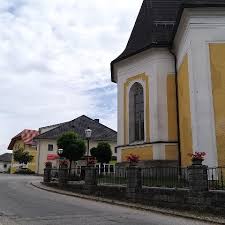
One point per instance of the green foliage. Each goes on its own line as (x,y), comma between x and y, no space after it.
(102,153)
(22,157)
(93,151)
(114,158)
(73,147)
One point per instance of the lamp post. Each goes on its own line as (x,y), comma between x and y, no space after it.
(60,152)
(88,137)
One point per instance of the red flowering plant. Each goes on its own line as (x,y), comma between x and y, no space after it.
(133,158)
(197,155)
(63,163)
(91,161)
(48,164)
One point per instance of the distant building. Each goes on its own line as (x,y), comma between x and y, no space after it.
(5,162)
(171,83)
(24,140)
(47,140)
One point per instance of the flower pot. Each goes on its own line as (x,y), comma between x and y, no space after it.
(197,161)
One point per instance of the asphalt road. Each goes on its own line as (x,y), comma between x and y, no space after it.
(22,204)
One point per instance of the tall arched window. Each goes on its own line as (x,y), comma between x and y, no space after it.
(136,113)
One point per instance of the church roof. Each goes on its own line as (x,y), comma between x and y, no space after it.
(157,23)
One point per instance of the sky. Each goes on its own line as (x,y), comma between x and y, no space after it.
(55,61)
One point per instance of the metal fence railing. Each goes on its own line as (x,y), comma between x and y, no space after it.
(119,177)
(165,177)
(216,178)
(76,173)
(151,177)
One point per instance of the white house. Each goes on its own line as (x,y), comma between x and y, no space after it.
(47,140)
(5,162)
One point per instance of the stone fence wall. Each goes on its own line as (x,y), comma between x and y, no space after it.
(197,196)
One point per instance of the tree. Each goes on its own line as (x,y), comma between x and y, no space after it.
(22,157)
(102,153)
(93,151)
(73,147)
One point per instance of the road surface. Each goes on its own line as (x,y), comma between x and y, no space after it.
(22,204)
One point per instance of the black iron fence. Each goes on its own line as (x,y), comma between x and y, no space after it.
(165,177)
(119,176)
(151,177)
(216,178)
(75,174)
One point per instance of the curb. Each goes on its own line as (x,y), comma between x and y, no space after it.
(169,212)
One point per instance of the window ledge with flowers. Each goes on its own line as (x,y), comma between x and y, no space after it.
(197,158)
(133,159)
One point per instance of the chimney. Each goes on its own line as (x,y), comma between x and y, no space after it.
(97,120)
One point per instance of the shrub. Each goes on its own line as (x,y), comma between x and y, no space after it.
(114,158)
(48,164)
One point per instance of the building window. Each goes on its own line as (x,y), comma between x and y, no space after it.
(50,148)
(5,166)
(136,113)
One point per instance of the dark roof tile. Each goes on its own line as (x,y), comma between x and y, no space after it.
(99,131)
(157,23)
(7,157)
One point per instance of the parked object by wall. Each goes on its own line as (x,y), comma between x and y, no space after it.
(5,162)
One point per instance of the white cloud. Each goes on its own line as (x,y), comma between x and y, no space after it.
(55,57)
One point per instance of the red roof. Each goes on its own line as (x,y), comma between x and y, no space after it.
(26,136)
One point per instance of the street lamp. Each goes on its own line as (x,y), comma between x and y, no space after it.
(60,151)
(88,137)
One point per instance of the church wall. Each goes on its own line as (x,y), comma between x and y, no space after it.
(144,152)
(199,28)
(171,152)
(151,69)
(172,107)
(184,113)
(217,63)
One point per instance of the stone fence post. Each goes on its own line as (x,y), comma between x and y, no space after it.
(198,178)
(134,182)
(47,174)
(63,176)
(90,179)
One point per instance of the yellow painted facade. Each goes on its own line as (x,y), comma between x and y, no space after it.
(171,152)
(172,108)
(144,78)
(145,152)
(32,151)
(217,61)
(184,113)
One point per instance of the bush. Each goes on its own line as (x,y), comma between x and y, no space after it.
(24,171)
(114,158)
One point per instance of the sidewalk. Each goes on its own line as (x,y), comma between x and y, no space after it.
(202,217)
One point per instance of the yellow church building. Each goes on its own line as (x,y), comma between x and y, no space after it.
(171,83)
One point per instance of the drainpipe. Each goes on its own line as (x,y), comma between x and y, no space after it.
(177,108)
(38,163)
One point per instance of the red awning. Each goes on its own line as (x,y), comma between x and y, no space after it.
(52,157)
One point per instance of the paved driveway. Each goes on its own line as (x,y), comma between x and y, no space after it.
(22,204)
